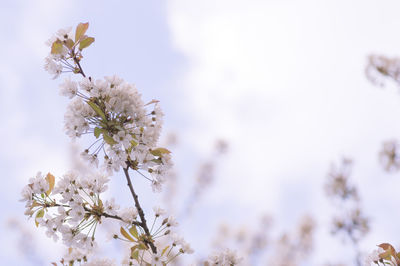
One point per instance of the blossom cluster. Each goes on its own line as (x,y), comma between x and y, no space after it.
(125,130)
(66,50)
(72,208)
(226,257)
(169,245)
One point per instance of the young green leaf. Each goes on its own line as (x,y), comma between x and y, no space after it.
(134,232)
(126,235)
(39,214)
(164,250)
(97,110)
(135,255)
(97,132)
(56,47)
(159,151)
(81,30)
(109,140)
(51,180)
(85,43)
(69,43)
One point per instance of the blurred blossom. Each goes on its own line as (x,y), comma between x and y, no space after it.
(380,67)
(294,248)
(389,156)
(338,184)
(350,221)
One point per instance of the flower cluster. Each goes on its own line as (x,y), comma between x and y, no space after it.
(126,131)
(169,245)
(71,209)
(66,50)
(226,257)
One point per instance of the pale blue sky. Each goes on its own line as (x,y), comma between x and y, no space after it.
(282,81)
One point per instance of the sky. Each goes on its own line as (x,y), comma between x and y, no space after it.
(282,82)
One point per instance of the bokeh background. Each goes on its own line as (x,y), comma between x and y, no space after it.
(282,82)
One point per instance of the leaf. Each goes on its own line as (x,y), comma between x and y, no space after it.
(142,246)
(134,232)
(35,204)
(159,151)
(86,43)
(389,252)
(134,252)
(164,250)
(134,143)
(56,47)
(97,132)
(81,30)
(109,140)
(97,110)
(51,180)
(100,204)
(39,214)
(70,43)
(157,161)
(126,235)
(135,255)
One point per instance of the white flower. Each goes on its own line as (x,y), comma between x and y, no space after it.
(158,211)
(156,260)
(227,257)
(86,84)
(51,66)
(26,194)
(128,215)
(177,240)
(68,88)
(156,186)
(185,248)
(39,184)
(77,213)
(373,256)
(110,207)
(172,221)
(114,80)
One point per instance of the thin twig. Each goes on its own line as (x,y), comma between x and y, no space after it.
(140,211)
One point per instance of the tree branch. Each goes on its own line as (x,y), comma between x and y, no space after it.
(104,214)
(140,211)
(79,66)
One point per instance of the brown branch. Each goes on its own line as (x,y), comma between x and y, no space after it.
(79,66)
(76,60)
(94,213)
(140,211)
(104,214)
